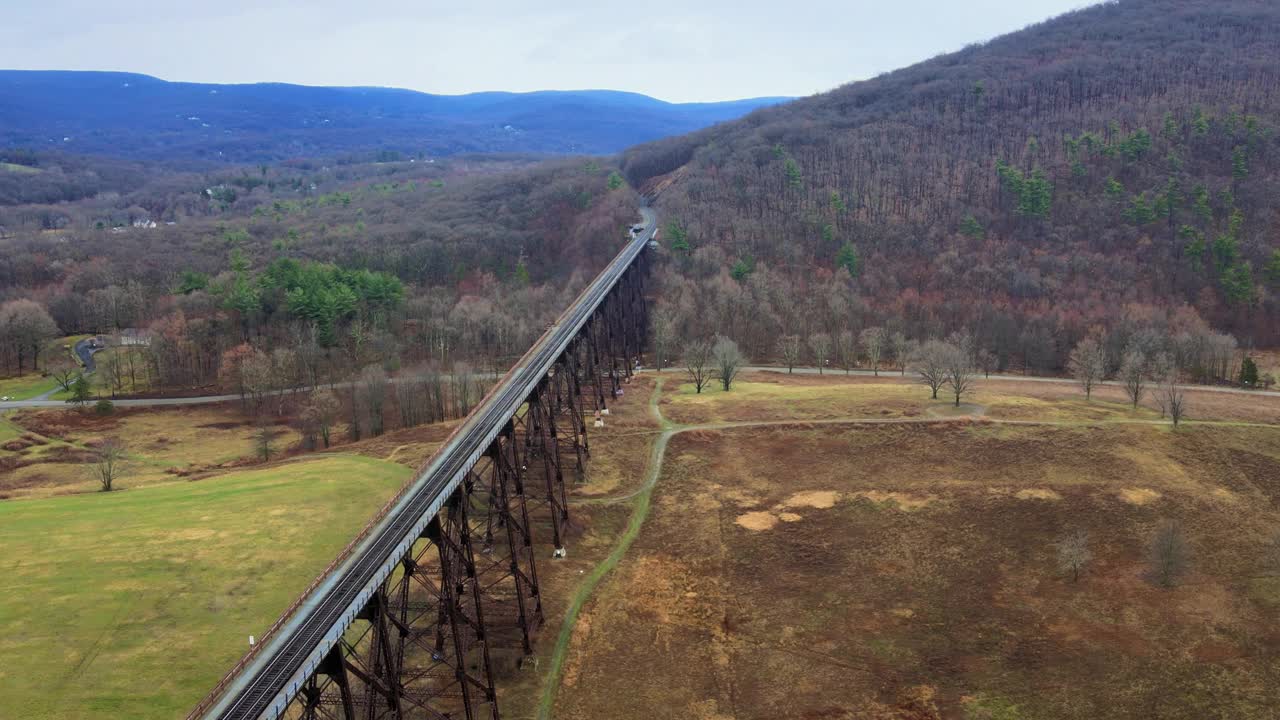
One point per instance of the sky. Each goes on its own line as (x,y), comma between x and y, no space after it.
(681,51)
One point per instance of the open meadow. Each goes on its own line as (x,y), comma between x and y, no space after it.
(133,603)
(910,568)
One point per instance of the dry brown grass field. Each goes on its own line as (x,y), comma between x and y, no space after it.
(909,571)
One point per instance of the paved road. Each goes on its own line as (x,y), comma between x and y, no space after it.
(85,353)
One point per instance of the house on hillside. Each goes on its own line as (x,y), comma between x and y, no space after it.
(133,337)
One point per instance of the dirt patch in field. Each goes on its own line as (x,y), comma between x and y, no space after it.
(903,501)
(813,499)
(1037,494)
(1139,496)
(757,520)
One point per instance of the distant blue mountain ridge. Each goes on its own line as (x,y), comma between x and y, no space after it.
(142,117)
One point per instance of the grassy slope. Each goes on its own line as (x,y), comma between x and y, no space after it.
(157,441)
(133,604)
(8,430)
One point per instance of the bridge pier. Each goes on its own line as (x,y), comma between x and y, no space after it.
(508,573)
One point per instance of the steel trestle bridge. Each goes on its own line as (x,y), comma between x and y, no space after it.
(441,587)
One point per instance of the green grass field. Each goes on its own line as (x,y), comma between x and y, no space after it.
(132,604)
(25,387)
(8,430)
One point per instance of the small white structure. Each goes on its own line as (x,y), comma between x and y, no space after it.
(134,337)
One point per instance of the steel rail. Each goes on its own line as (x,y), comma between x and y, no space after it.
(264,682)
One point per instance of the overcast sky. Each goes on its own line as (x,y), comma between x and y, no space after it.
(680,50)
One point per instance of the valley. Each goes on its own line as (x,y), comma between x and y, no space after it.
(947,392)
(816,531)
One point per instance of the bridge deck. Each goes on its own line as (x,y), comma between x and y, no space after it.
(266,684)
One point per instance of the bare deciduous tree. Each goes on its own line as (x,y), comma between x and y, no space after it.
(930,363)
(1088,364)
(1173,401)
(986,361)
(697,362)
(789,351)
(903,348)
(65,374)
(257,375)
(306,348)
(1133,374)
(109,464)
(1161,368)
(1170,555)
(847,350)
(959,371)
(820,345)
(319,415)
(462,389)
(873,344)
(728,360)
(262,436)
(662,336)
(112,371)
(25,325)
(1074,553)
(369,399)
(963,341)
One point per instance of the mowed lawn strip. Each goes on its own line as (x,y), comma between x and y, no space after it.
(133,604)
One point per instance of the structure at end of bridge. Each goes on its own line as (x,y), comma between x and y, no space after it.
(463,606)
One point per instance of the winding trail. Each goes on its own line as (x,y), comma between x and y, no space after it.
(643,495)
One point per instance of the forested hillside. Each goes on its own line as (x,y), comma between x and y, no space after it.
(142,117)
(382,264)
(1111,170)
